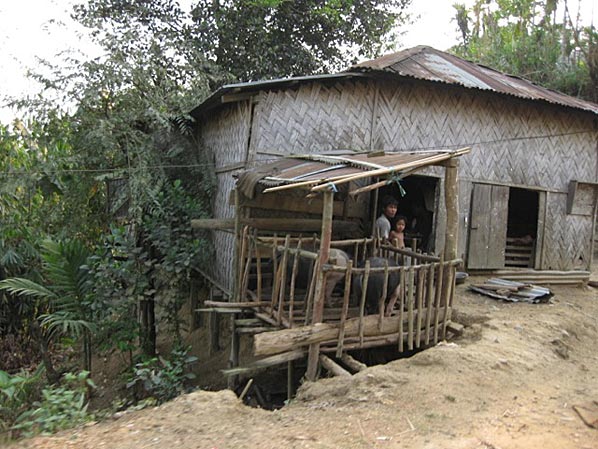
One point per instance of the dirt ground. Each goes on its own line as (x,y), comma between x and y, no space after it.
(510,381)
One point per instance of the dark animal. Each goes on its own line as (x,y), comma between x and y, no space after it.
(305,271)
(375,286)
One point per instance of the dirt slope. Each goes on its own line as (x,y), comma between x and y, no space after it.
(509,382)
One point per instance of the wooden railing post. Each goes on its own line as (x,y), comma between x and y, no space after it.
(318,310)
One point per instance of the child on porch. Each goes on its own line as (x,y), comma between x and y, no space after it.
(397,234)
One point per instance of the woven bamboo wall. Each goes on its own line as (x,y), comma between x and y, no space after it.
(567,237)
(226,136)
(313,118)
(412,115)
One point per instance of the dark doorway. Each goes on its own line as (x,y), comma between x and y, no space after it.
(522,228)
(417,202)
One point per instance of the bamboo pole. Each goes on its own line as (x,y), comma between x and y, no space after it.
(447,299)
(382,299)
(345,309)
(311,290)
(396,168)
(401,305)
(326,236)
(258,263)
(429,301)
(421,275)
(438,296)
(283,279)
(364,286)
(292,286)
(410,300)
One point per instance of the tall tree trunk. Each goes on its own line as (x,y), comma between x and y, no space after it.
(51,374)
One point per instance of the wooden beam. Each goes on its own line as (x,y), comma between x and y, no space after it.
(265,363)
(451,199)
(275,224)
(353,364)
(289,339)
(332,367)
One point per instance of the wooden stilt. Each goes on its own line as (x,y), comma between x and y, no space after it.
(326,237)
(345,309)
(451,199)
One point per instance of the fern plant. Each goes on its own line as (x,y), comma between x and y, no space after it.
(63,301)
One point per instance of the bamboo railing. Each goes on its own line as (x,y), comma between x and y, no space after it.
(279,276)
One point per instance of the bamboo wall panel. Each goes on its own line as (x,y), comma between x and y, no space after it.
(567,237)
(314,118)
(426,116)
(226,136)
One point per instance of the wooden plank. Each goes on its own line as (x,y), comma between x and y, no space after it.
(275,224)
(236,305)
(488,230)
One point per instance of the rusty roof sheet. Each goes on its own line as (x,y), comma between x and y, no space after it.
(422,63)
(326,171)
(427,63)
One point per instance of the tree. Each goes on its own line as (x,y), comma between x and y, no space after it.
(528,38)
(260,39)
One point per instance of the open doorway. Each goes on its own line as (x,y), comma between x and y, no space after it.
(522,228)
(417,203)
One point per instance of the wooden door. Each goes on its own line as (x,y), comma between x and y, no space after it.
(488,228)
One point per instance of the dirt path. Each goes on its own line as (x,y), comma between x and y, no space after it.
(509,382)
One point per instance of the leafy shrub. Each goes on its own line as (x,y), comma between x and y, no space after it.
(60,407)
(16,394)
(160,378)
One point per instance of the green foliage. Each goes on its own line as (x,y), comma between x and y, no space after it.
(260,39)
(62,304)
(160,378)
(16,395)
(60,407)
(525,38)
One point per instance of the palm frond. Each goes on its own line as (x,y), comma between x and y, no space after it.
(26,287)
(65,323)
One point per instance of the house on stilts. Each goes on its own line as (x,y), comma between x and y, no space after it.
(396,126)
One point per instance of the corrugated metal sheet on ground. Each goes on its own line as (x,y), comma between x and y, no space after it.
(526,292)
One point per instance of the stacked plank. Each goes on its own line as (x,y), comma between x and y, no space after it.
(545,277)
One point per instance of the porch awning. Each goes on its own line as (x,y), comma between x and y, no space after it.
(317,172)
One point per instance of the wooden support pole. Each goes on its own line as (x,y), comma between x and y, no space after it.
(451,199)
(326,237)
(353,364)
(332,367)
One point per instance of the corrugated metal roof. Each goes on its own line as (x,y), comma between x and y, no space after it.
(327,171)
(423,63)
(427,63)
